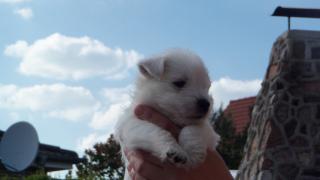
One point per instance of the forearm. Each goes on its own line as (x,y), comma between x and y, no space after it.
(214,168)
(218,167)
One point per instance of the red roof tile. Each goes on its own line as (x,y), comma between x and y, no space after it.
(240,111)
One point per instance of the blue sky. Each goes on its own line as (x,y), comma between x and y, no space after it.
(68,67)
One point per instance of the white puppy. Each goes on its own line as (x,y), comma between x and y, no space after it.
(176,84)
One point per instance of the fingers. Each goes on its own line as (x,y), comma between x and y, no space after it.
(148,114)
(138,177)
(143,155)
(135,176)
(142,165)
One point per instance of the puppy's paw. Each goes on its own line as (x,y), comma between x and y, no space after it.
(177,157)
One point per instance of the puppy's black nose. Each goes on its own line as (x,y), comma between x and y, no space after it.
(203,105)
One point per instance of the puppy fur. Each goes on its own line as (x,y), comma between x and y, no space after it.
(175,83)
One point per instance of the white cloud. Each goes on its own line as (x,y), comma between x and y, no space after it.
(118,99)
(62,57)
(14,1)
(118,94)
(56,100)
(17,50)
(88,141)
(25,13)
(226,89)
(108,118)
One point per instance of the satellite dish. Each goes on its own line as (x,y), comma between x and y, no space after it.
(19,146)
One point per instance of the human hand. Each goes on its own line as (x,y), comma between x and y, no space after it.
(147,113)
(142,165)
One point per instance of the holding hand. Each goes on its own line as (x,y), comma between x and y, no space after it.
(142,165)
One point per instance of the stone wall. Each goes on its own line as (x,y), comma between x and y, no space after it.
(284,135)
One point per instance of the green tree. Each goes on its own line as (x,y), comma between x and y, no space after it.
(231,144)
(103,161)
(40,175)
(69,175)
(37,175)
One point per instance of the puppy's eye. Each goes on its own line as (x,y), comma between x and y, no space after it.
(179,83)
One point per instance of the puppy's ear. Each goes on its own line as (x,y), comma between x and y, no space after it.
(152,67)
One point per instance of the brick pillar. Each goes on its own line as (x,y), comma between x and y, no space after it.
(284,135)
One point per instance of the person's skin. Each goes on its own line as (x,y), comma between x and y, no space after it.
(143,166)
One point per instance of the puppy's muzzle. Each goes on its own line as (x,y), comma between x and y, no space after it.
(203,106)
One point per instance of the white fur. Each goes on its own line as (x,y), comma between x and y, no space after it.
(155,88)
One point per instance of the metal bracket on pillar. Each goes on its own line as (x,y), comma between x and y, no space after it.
(296,12)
